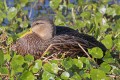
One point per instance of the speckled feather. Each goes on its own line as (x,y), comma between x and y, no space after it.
(29,44)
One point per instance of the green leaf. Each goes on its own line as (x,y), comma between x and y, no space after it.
(85,15)
(70,5)
(59,19)
(37,66)
(3,15)
(9,40)
(96,52)
(117,71)
(86,76)
(67,63)
(23,2)
(107,41)
(97,19)
(17,62)
(4,70)
(97,74)
(7,57)
(79,24)
(78,63)
(102,9)
(65,75)
(47,76)
(80,2)
(1,57)
(11,13)
(105,67)
(117,9)
(24,24)
(76,76)
(29,58)
(27,75)
(86,61)
(19,20)
(52,68)
(55,4)
(108,57)
(111,11)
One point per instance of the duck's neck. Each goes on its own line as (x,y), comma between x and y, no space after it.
(45,33)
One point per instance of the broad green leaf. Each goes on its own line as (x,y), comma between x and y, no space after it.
(65,75)
(1,57)
(67,63)
(96,52)
(80,2)
(24,24)
(105,1)
(27,75)
(70,5)
(117,71)
(85,15)
(107,41)
(11,13)
(7,57)
(86,61)
(37,66)
(19,20)
(29,58)
(17,62)
(102,9)
(60,19)
(4,70)
(111,11)
(116,28)
(105,67)
(23,2)
(97,19)
(9,40)
(79,24)
(86,76)
(52,68)
(78,63)
(3,15)
(97,74)
(108,57)
(54,4)
(47,76)
(76,76)
(58,78)
(117,9)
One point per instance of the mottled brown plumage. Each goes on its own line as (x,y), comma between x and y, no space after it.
(28,44)
(46,37)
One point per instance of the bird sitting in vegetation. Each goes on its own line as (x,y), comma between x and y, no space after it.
(57,40)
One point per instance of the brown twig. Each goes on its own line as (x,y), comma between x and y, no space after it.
(84,51)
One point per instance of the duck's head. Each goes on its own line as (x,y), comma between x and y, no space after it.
(43,27)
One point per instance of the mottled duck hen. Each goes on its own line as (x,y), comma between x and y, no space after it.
(56,40)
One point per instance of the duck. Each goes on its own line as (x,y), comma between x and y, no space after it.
(57,40)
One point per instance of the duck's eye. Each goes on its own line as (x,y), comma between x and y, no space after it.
(38,23)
